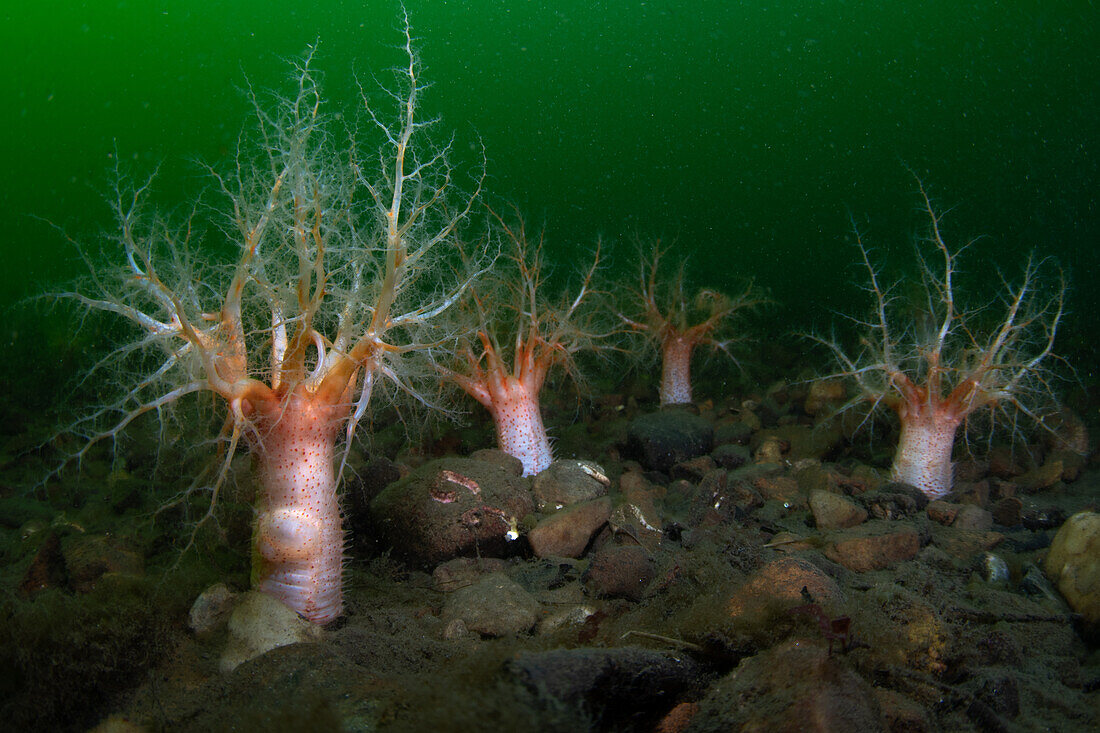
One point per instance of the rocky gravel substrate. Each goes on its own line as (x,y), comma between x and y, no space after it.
(708,567)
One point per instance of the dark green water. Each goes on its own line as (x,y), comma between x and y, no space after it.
(746,130)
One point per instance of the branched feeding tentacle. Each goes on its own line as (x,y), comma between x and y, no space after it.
(947,375)
(326,298)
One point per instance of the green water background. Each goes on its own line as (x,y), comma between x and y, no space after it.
(746,131)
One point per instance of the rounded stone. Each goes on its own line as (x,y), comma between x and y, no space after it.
(259,624)
(1074,564)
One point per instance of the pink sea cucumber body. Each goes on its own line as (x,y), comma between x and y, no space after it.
(298,538)
(676,369)
(520,431)
(923,456)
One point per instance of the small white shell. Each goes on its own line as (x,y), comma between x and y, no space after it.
(995,569)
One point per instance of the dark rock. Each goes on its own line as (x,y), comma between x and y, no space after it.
(620,572)
(867,478)
(662,439)
(972,492)
(943,512)
(729,433)
(15,511)
(756,471)
(89,558)
(508,462)
(973,518)
(1022,541)
(804,441)
(452,507)
(494,605)
(547,574)
(1008,512)
(970,470)
(780,488)
(1005,462)
(1044,518)
(882,504)
(464,571)
(47,569)
(361,490)
(1043,477)
(728,455)
(693,469)
(796,686)
(1002,695)
(918,496)
(624,688)
(812,476)
(964,543)
(999,648)
(717,500)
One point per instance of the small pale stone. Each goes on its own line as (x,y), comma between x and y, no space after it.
(259,624)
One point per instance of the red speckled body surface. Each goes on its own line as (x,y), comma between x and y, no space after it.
(923,456)
(298,537)
(339,265)
(676,370)
(660,308)
(520,432)
(545,333)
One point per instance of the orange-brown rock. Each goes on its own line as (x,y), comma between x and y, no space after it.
(677,719)
(942,511)
(780,583)
(874,549)
(566,533)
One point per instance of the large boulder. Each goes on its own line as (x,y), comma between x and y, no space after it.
(453,507)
